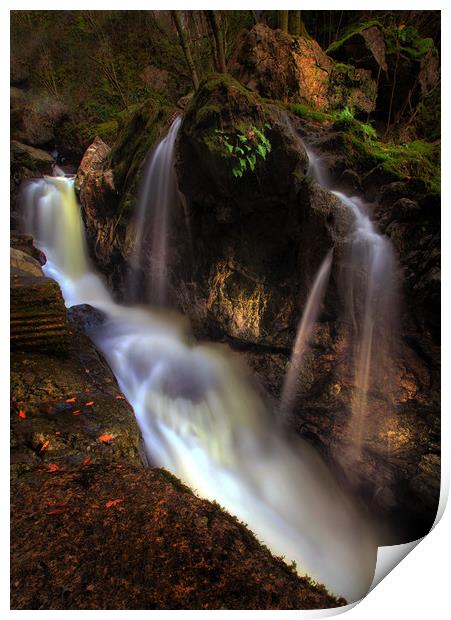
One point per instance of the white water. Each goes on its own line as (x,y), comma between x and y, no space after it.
(157,198)
(201,418)
(304,333)
(368,287)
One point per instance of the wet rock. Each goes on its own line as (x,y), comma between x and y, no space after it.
(121,537)
(24,243)
(21,261)
(38,314)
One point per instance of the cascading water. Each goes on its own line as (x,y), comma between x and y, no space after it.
(305,329)
(202,420)
(157,198)
(369,291)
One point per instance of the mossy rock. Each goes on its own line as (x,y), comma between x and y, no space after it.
(225,108)
(138,131)
(107,131)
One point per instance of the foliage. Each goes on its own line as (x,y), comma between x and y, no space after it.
(304,111)
(245,147)
(344,119)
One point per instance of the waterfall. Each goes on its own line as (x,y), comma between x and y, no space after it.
(369,292)
(156,201)
(201,418)
(304,333)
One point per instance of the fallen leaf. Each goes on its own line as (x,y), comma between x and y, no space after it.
(71,400)
(91,402)
(53,467)
(59,511)
(22,414)
(45,445)
(113,502)
(76,412)
(86,460)
(105,438)
(120,397)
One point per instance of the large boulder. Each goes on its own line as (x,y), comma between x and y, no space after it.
(260,237)
(284,67)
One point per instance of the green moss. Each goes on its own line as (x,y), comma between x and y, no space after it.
(139,130)
(351,32)
(303,111)
(417,160)
(222,114)
(408,41)
(107,131)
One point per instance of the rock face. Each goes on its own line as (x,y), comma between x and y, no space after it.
(257,240)
(280,66)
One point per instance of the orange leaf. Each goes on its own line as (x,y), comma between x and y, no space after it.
(120,397)
(91,402)
(45,445)
(86,460)
(105,438)
(76,412)
(113,502)
(71,400)
(22,414)
(53,467)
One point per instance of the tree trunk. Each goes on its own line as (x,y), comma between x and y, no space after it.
(283,20)
(185,47)
(294,22)
(219,40)
(302,29)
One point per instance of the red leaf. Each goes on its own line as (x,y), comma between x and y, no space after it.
(45,445)
(91,402)
(53,467)
(86,460)
(59,511)
(71,400)
(113,502)
(76,412)
(120,397)
(22,414)
(105,438)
